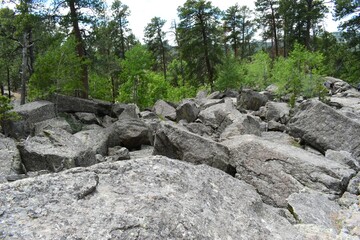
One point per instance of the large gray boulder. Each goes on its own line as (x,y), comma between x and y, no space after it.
(10,161)
(30,114)
(187,110)
(277,170)
(164,110)
(122,110)
(303,205)
(176,142)
(277,111)
(324,128)
(58,122)
(130,133)
(71,104)
(96,139)
(55,150)
(152,198)
(251,100)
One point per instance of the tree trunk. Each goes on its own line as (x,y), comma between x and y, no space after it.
(8,81)
(308,24)
(80,48)
(206,52)
(24,67)
(274,30)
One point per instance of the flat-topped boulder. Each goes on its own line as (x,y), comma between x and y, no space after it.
(55,150)
(29,114)
(71,104)
(151,198)
(277,170)
(323,128)
(177,142)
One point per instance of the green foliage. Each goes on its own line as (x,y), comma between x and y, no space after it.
(258,71)
(229,74)
(100,87)
(200,38)
(57,70)
(301,73)
(5,108)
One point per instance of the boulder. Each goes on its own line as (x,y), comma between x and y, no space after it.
(336,85)
(242,124)
(354,185)
(129,132)
(277,170)
(71,104)
(303,204)
(10,161)
(121,110)
(251,100)
(87,118)
(277,111)
(30,114)
(187,110)
(344,158)
(96,139)
(152,198)
(58,122)
(178,143)
(200,129)
(216,115)
(275,126)
(55,150)
(118,153)
(165,110)
(324,128)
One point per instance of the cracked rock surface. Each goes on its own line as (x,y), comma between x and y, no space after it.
(150,198)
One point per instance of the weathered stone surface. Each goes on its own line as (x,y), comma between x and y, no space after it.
(121,110)
(129,132)
(187,110)
(354,185)
(55,150)
(324,128)
(165,110)
(215,115)
(95,139)
(10,161)
(277,111)
(344,158)
(118,153)
(277,170)
(153,198)
(30,113)
(148,115)
(242,124)
(314,208)
(336,85)
(87,118)
(176,142)
(58,122)
(73,104)
(251,100)
(275,126)
(200,129)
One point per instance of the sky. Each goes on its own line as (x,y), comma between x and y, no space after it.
(142,11)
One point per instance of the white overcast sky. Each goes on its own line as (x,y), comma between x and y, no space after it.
(143,10)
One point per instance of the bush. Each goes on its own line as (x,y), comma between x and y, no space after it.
(5,108)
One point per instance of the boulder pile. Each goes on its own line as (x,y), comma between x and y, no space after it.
(229,165)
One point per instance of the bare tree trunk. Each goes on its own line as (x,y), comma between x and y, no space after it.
(24,67)
(80,48)
(8,81)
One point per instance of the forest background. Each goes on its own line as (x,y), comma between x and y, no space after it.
(87,49)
